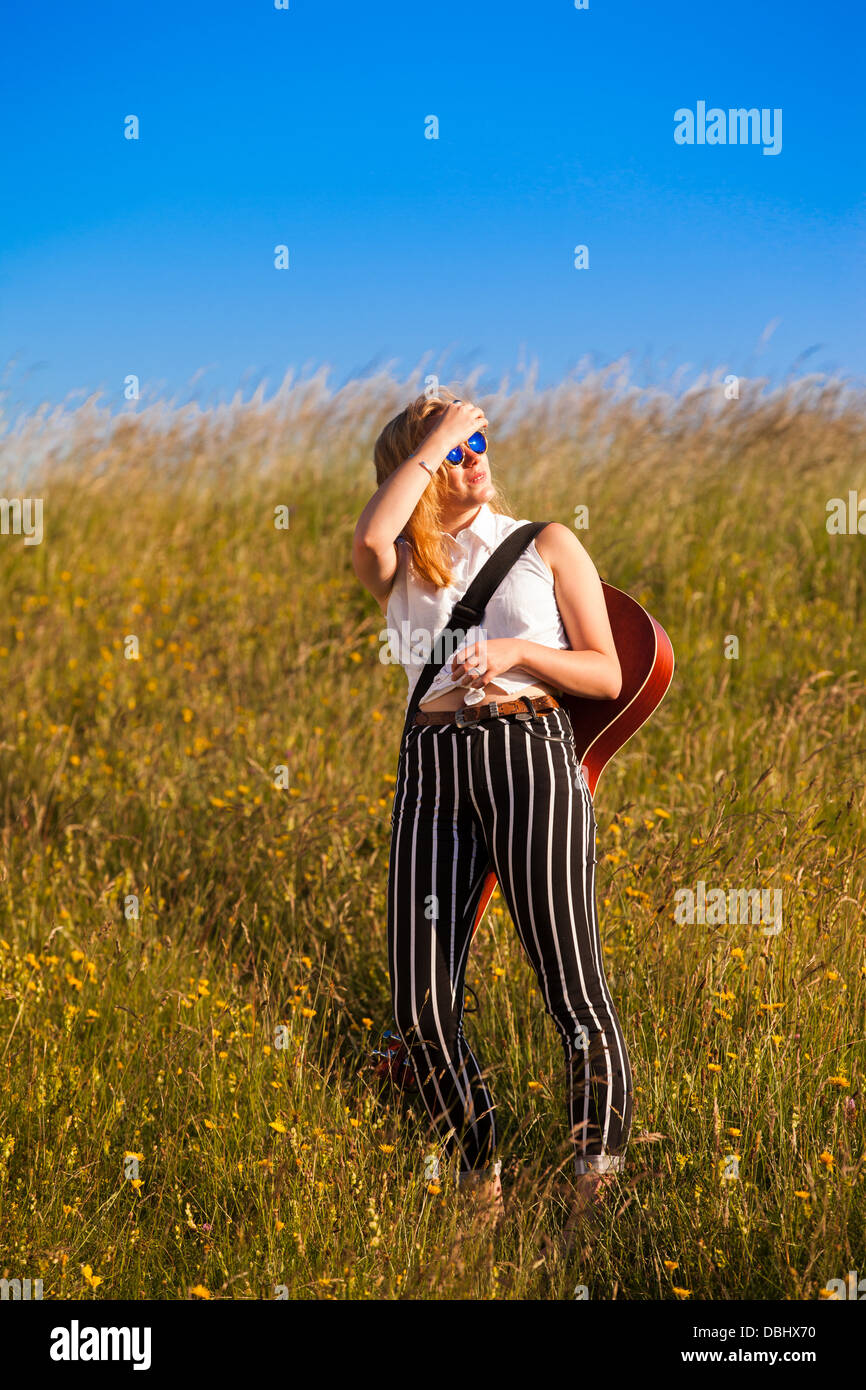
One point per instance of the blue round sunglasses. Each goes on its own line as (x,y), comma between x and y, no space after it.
(477,442)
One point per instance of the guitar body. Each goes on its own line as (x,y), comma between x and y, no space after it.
(601,727)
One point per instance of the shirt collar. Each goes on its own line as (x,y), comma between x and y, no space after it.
(482,527)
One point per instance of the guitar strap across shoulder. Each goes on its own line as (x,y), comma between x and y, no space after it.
(469,610)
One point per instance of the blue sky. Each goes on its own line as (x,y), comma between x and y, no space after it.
(306,127)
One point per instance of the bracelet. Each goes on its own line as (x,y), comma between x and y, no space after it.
(431,471)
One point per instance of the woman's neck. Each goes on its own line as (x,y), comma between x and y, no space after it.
(457,521)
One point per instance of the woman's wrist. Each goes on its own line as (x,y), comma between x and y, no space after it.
(431,454)
(428,460)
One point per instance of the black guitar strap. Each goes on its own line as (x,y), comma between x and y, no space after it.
(469,610)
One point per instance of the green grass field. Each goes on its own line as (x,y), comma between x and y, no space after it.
(193,964)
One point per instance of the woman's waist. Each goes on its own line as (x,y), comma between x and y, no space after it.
(500,688)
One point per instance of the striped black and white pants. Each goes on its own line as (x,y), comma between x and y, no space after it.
(506,794)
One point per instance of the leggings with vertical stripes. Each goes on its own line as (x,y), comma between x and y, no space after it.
(507,794)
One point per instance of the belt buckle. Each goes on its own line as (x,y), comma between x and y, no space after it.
(487,711)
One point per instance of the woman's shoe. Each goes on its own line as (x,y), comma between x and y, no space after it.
(481,1197)
(584,1219)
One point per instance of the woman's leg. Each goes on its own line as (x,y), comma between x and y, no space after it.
(540,830)
(437,867)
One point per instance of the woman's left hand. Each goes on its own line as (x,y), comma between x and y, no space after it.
(491,657)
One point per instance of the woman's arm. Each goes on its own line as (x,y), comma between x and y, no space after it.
(592,668)
(585,672)
(374,552)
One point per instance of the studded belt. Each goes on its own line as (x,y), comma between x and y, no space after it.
(524,707)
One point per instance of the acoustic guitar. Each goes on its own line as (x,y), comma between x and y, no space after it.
(601,728)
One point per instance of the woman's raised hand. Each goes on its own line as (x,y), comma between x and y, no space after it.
(457,422)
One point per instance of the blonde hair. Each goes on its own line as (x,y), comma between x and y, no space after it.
(401,438)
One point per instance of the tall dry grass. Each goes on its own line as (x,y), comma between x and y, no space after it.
(166,909)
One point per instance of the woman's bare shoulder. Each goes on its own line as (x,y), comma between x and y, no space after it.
(557,545)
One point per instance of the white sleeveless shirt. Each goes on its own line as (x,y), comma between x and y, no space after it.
(523,606)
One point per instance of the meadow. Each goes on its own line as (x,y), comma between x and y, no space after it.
(198,755)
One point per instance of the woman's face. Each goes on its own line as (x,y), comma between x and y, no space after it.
(469,482)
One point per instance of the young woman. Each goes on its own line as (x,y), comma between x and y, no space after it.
(502,789)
